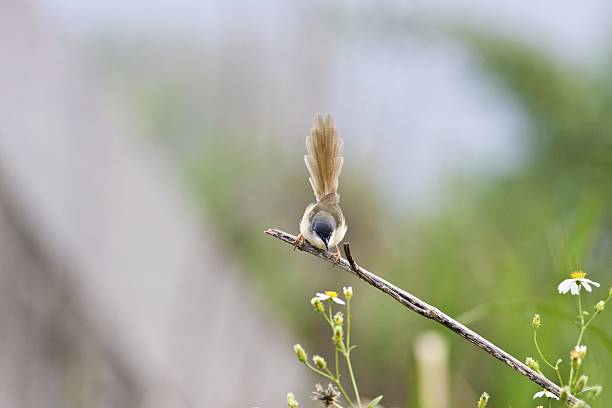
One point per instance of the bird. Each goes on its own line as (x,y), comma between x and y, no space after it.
(323,224)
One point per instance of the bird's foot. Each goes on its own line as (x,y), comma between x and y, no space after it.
(299,241)
(337,256)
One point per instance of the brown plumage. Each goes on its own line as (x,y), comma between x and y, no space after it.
(323,223)
(324,159)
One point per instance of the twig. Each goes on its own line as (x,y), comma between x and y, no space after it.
(424,309)
(347,252)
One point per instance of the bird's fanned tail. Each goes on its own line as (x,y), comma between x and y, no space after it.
(324,159)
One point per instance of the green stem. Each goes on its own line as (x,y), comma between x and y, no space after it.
(348,325)
(348,351)
(344,393)
(331,324)
(581,321)
(337,366)
(559,375)
(535,340)
(577,375)
(322,373)
(581,315)
(554,367)
(330,377)
(329,321)
(350,369)
(592,317)
(590,320)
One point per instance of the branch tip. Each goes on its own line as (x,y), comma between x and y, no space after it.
(349,256)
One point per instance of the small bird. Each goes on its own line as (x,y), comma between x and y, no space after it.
(323,224)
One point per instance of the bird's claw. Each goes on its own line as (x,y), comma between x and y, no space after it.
(299,241)
(337,256)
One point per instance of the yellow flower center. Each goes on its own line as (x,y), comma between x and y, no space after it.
(331,293)
(579,274)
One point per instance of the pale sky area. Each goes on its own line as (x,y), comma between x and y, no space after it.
(420,94)
(573,29)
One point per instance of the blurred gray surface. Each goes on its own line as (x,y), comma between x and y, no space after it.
(133,300)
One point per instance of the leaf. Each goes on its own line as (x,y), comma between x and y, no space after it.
(374,402)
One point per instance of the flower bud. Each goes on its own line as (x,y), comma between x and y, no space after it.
(319,362)
(581,383)
(338,336)
(565,392)
(575,360)
(300,353)
(536,322)
(317,305)
(599,306)
(338,319)
(532,363)
(595,391)
(291,401)
(484,399)
(348,292)
(577,354)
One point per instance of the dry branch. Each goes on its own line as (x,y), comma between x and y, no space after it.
(424,309)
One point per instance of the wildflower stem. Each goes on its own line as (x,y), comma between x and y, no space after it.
(330,377)
(582,327)
(576,376)
(554,367)
(348,325)
(591,319)
(322,373)
(535,341)
(348,350)
(337,367)
(581,316)
(329,318)
(328,374)
(331,324)
(344,393)
(350,368)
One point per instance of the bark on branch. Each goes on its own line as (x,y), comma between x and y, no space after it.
(424,309)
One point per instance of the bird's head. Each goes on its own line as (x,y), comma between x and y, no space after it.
(323,225)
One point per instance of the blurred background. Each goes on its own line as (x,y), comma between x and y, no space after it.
(145,146)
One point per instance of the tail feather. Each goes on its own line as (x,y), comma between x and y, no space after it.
(324,159)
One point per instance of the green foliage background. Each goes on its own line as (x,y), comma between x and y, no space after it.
(492,254)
